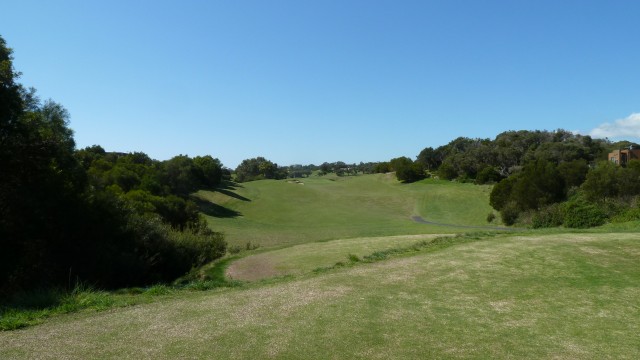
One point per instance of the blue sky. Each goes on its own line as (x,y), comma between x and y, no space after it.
(314,81)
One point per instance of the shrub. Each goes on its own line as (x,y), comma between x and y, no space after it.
(631,214)
(510,213)
(550,216)
(488,175)
(490,217)
(580,214)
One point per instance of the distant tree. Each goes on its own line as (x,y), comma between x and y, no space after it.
(208,171)
(430,158)
(257,169)
(325,168)
(180,174)
(406,170)
(382,167)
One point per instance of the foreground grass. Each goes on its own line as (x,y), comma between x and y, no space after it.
(38,305)
(553,296)
(272,213)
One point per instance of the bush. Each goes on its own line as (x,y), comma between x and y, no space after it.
(550,216)
(491,217)
(488,175)
(631,214)
(510,213)
(580,214)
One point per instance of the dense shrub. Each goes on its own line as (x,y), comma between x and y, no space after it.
(550,216)
(631,214)
(488,175)
(581,214)
(510,213)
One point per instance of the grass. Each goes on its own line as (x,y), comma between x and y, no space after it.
(304,258)
(36,306)
(564,296)
(282,213)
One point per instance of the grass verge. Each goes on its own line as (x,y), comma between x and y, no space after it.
(34,307)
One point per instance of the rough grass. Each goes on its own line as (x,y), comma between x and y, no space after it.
(301,259)
(572,296)
(278,213)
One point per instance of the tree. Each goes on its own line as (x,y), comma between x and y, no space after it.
(430,158)
(55,228)
(406,170)
(258,168)
(208,171)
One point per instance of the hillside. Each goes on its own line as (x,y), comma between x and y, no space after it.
(272,213)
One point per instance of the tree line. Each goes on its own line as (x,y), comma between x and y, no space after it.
(106,219)
(543,178)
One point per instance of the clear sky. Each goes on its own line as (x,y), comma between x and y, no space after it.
(313,81)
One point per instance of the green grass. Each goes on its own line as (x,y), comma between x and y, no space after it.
(564,296)
(305,258)
(283,213)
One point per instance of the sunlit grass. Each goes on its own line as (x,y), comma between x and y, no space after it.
(286,213)
(572,296)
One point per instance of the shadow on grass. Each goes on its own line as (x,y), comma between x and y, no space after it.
(215,210)
(228,187)
(232,194)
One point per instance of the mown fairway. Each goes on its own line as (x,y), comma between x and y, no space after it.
(572,296)
(274,213)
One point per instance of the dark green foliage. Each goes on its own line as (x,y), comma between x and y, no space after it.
(406,170)
(382,167)
(510,213)
(573,173)
(488,175)
(628,214)
(447,172)
(501,193)
(108,219)
(481,159)
(430,158)
(539,184)
(550,216)
(257,169)
(581,214)
(608,181)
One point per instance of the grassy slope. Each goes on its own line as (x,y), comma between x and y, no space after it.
(554,296)
(282,213)
(304,258)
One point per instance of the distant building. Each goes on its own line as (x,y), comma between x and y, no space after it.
(623,156)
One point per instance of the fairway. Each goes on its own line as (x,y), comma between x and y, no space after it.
(272,213)
(572,296)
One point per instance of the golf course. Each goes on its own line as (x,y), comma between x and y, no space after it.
(337,267)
